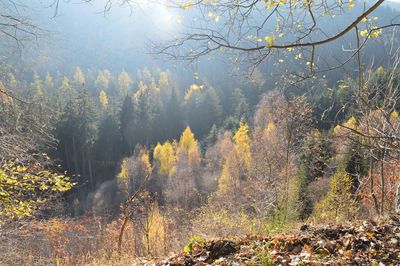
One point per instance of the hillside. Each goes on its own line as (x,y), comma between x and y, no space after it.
(358,243)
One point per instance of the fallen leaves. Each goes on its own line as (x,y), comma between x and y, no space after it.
(361,243)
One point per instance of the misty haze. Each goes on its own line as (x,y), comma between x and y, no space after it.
(213,132)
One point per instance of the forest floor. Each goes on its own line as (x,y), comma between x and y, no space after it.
(357,243)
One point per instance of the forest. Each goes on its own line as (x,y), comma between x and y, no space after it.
(132,131)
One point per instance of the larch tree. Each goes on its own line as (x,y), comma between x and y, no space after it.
(102,81)
(103,99)
(37,87)
(184,185)
(124,82)
(235,170)
(164,155)
(79,77)
(339,204)
(48,82)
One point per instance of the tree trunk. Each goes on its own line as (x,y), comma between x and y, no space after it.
(383,182)
(121,234)
(372,185)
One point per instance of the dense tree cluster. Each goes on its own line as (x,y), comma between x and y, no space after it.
(189,160)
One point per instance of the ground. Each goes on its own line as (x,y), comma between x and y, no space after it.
(357,243)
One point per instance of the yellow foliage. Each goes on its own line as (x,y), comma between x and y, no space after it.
(269,130)
(225,180)
(134,168)
(48,81)
(339,204)
(143,88)
(270,40)
(65,86)
(37,85)
(165,155)
(164,79)
(187,5)
(24,189)
(79,78)
(145,161)
(187,142)
(122,177)
(192,89)
(154,236)
(375,32)
(219,222)
(380,70)
(103,98)
(394,115)
(242,143)
(124,82)
(351,123)
(102,81)
(12,80)
(351,4)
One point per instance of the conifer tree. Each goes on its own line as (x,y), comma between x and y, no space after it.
(173,120)
(103,99)
(339,203)
(79,77)
(124,83)
(127,121)
(165,156)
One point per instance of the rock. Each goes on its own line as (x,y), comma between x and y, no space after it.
(220,249)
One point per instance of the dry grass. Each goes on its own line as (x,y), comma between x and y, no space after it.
(84,241)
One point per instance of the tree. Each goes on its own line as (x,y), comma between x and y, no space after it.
(339,204)
(103,99)
(173,120)
(127,121)
(164,156)
(79,77)
(164,79)
(184,185)
(314,165)
(253,32)
(108,144)
(290,118)
(124,83)
(239,106)
(242,144)
(16,26)
(236,166)
(48,82)
(371,136)
(102,81)
(212,109)
(187,143)
(25,188)
(135,171)
(145,107)
(37,86)
(203,108)
(77,132)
